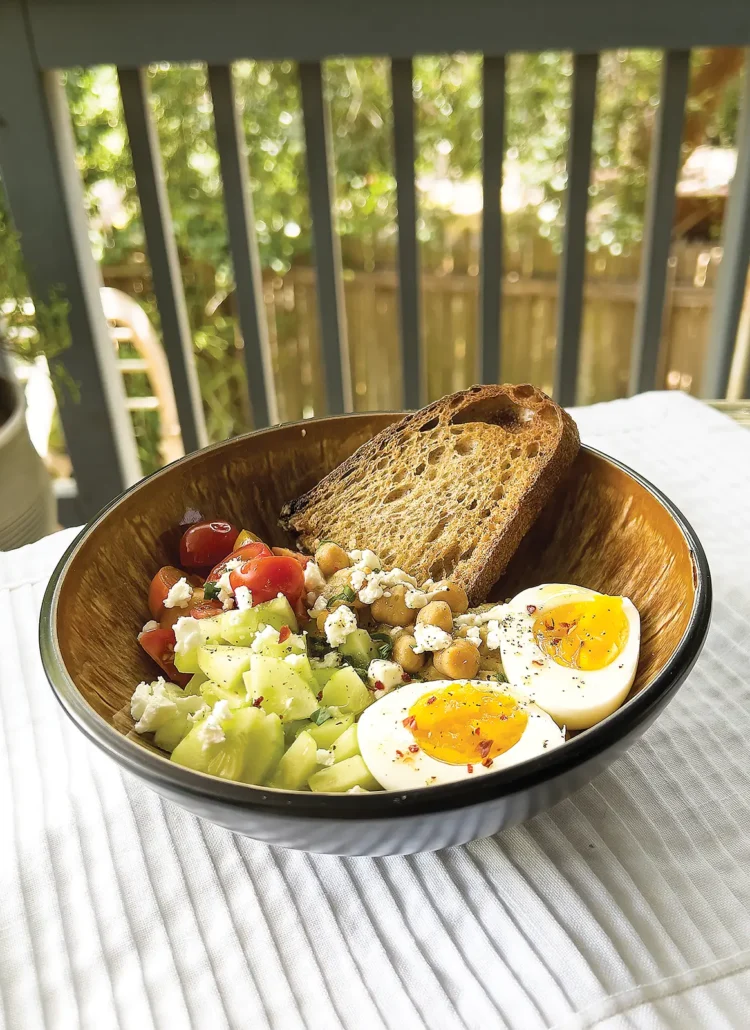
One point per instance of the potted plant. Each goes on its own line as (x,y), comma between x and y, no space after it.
(27,332)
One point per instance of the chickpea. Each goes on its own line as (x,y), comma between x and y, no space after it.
(453,594)
(403,653)
(336,585)
(391,608)
(331,558)
(430,673)
(436,613)
(320,620)
(460,660)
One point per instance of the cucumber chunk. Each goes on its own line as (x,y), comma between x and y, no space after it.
(346,746)
(239,627)
(335,779)
(252,746)
(193,687)
(283,691)
(345,690)
(168,736)
(207,631)
(301,665)
(322,674)
(212,692)
(267,643)
(224,665)
(330,730)
(360,647)
(297,765)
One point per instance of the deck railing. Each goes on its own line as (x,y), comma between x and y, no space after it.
(37,158)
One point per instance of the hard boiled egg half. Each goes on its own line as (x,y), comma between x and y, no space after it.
(447,730)
(571,650)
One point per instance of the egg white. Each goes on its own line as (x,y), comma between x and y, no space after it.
(575,698)
(381,733)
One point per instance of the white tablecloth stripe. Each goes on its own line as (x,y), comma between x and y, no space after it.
(627,905)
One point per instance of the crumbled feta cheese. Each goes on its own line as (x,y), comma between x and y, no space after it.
(419,598)
(377,584)
(199,714)
(244,598)
(226,592)
(494,637)
(356,789)
(474,636)
(319,605)
(179,595)
(150,626)
(153,704)
(366,560)
(430,638)
(143,695)
(298,662)
(323,757)
(265,635)
(339,624)
(497,611)
(314,579)
(210,730)
(234,563)
(385,674)
(357,579)
(188,635)
(330,661)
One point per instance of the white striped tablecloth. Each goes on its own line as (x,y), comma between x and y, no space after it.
(624,906)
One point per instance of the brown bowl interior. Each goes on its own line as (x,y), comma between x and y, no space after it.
(603,530)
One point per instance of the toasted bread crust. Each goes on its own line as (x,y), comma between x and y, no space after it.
(449,491)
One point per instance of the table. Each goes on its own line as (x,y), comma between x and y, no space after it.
(624,906)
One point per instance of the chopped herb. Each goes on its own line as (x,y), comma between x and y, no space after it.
(317,647)
(384,642)
(501,677)
(347,595)
(361,670)
(320,716)
(211,591)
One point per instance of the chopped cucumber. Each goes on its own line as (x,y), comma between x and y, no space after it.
(252,746)
(193,687)
(345,690)
(283,691)
(266,642)
(330,730)
(293,730)
(297,765)
(224,664)
(213,692)
(360,647)
(209,633)
(240,627)
(301,665)
(346,746)
(168,736)
(322,674)
(335,779)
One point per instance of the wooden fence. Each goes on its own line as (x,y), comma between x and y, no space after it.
(449,298)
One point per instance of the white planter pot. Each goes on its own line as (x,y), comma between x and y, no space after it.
(27,503)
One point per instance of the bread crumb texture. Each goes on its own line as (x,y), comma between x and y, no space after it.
(449,491)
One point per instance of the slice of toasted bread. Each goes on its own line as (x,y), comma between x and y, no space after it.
(449,491)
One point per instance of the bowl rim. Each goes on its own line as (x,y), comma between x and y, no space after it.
(162,774)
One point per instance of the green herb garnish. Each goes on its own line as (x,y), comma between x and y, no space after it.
(385,644)
(320,716)
(501,677)
(211,591)
(317,647)
(347,595)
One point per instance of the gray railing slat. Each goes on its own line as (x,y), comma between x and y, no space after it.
(162,253)
(573,260)
(491,259)
(43,186)
(732,275)
(408,252)
(660,205)
(328,274)
(230,142)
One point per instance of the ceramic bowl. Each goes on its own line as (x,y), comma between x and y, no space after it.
(605,528)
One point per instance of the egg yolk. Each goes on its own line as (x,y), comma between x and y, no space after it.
(586,635)
(464,724)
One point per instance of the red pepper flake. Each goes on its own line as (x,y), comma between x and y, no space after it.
(379,685)
(414,748)
(470,768)
(477,730)
(400,753)
(531,608)
(406,678)
(284,634)
(319,695)
(258,701)
(537,662)
(555,641)
(549,623)
(431,700)
(487,763)
(410,722)
(484,747)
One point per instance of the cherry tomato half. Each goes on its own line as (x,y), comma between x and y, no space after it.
(245,537)
(267,577)
(254,550)
(206,609)
(161,584)
(159,644)
(206,543)
(303,559)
